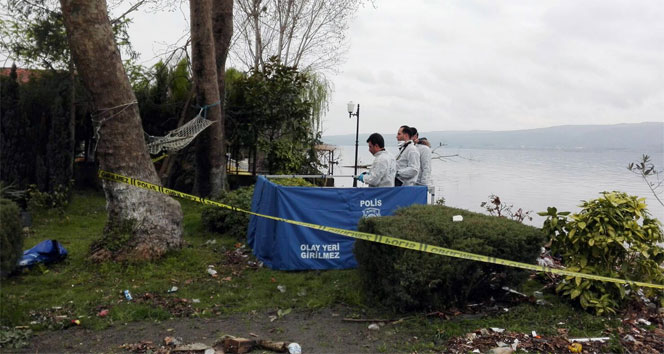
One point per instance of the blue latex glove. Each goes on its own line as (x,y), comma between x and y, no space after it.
(361,177)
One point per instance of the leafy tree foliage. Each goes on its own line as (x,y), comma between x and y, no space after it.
(267,109)
(612,236)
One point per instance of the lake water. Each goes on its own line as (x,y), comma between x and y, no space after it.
(528,179)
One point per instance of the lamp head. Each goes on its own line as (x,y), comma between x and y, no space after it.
(351,107)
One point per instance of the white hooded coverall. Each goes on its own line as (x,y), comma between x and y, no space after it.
(408,163)
(383,170)
(424,179)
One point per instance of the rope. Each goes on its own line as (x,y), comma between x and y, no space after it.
(99,122)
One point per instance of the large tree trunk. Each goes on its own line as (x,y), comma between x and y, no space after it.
(210,159)
(155,220)
(222,28)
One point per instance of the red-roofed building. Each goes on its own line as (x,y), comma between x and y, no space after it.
(22,75)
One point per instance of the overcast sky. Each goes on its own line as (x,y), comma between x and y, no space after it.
(491,65)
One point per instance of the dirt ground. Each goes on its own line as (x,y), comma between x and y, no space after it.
(326,331)
(321,331)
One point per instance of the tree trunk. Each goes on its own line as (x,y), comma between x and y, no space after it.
(155,220)
(210,143)
(222,30)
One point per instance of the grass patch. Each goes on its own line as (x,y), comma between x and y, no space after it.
(50,297)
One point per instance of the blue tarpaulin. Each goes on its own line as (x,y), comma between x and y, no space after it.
(47,251)
(285,246)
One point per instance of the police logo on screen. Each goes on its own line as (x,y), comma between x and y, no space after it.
(370,212)
(370,209)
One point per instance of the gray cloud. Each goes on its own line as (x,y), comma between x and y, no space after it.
(502,65)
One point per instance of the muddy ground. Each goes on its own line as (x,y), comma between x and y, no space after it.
(321,331)
(327,331)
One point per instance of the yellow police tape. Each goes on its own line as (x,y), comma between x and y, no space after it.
(388,240)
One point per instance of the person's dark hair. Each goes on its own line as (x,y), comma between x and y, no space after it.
(376,139)
(408,130)
(413,131)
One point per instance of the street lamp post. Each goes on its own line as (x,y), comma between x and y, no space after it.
(351,108)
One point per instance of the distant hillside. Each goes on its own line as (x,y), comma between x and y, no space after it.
(645,137)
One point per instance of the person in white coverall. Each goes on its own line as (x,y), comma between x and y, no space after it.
(424,148)
(408,159)
(384,166)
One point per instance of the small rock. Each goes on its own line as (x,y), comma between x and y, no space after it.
(498,330)
(374,327)
(294,348)
(500,350)
(192,347)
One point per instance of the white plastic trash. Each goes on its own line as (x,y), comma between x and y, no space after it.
(457,218)
(294,348)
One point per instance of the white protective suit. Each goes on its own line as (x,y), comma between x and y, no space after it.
(383,170)
(424,178)
(408,163)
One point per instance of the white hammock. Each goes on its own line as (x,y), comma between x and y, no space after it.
(178,138)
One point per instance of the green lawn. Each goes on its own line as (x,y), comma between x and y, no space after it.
(50,297)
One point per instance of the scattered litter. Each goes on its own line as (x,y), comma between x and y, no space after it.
(211,242)
(227,279)
(195,301)
(212,272)
(514,291)
(594,339)
(253,334)
(471,336)
(629,338)
(172,341)
(76,322)
(506,309)
(457,218)
(172,290)
(273,318)
(374,327)
(127,295)
(534,334)
(538,294)
(498,330)
(575,347)
(103,313)
(501,344)
(515,344)
(542,302)
(281,288)
(484,332)
(476,351)
(294,348)
(644,321)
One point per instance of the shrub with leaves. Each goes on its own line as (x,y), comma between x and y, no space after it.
(58,199)
(612,236)
(409,280)
(11,236)
(234,223)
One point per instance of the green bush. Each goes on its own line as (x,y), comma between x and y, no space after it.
(411,280)
(12,236)
(233,223)
(612,236)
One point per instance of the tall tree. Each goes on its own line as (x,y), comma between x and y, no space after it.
(307,34)
(153,220)
(210,160)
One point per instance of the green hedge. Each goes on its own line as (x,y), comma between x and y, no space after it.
(411,280)
(12,236)
(232,223)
